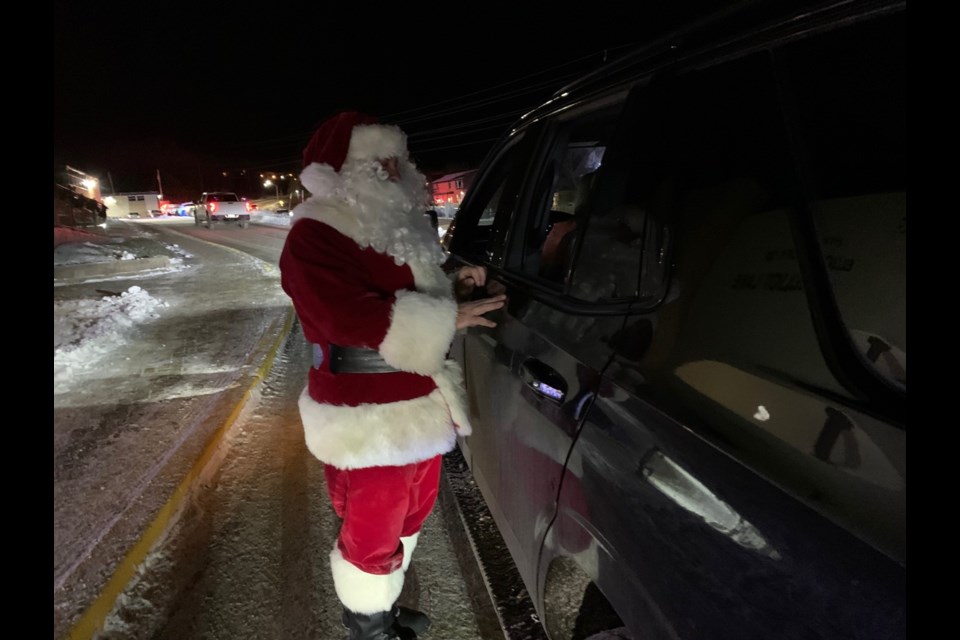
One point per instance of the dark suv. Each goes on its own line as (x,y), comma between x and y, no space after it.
(690,420)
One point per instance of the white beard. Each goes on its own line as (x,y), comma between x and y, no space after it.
(390,215)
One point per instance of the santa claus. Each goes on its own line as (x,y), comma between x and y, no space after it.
(382,401)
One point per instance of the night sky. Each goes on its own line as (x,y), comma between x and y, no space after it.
(200,90)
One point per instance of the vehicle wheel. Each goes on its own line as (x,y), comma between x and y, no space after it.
(243,224)
(208,223)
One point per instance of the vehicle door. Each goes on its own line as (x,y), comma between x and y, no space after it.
(745,456)
(530,377)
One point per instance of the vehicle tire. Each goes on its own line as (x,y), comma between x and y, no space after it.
(243,224)
(208,223)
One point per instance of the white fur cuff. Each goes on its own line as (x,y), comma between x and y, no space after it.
(363,592)
(420,333)
(450,383)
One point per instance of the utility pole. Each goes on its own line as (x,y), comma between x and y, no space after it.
(113,191)
(159,184)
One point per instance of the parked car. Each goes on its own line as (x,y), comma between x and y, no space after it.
(690,419)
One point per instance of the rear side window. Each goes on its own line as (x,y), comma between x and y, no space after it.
(714,169)
(851,121)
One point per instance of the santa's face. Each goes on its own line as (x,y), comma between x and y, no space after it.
(385,187)
(391,166)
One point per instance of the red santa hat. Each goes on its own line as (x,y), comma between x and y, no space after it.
(344,137)
(351,135)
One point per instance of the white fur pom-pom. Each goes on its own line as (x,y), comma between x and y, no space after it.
(321,180)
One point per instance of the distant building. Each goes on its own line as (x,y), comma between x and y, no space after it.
(450,189)
(141,203)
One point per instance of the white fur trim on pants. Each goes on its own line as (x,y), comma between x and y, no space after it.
(409,544)
(421,331)
(363,592)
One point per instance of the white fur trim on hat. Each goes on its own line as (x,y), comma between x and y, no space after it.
(420,333)
(376,142)
(378,435)
(363,592)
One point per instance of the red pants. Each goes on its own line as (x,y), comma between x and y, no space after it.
(379,505)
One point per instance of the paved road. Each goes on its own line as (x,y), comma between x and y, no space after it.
(245,553)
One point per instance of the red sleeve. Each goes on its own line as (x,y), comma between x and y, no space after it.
(324,274)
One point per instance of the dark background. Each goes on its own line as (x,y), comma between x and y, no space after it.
(211,95)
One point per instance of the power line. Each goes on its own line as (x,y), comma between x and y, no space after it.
(417,137)
(501,127)
(456,146)
(502,84)
(460,125)
(553,83)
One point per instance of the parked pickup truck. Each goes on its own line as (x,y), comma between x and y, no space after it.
(221,206)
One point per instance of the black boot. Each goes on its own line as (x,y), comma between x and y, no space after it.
(411,619)
(376,626)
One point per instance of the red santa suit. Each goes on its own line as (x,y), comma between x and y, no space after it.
(363,270)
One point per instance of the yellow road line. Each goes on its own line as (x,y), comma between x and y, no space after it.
(96,614)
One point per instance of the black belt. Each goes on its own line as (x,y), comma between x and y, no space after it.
(353,360)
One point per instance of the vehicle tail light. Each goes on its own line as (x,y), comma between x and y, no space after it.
(249,207)
(213,207)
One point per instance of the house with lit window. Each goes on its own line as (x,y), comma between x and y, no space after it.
(450,189)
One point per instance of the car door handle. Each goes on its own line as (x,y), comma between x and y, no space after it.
(543,379)
(681,487)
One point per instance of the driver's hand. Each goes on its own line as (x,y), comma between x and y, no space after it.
(469,277)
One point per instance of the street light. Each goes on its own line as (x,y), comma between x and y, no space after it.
(270,183)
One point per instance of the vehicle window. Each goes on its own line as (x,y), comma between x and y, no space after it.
(852,119)
(718,171)
(474,234)
(223,197)
(559,202)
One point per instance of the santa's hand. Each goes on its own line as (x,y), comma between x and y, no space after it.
(470,314)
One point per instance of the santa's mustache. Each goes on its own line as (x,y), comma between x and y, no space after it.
(370,186)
